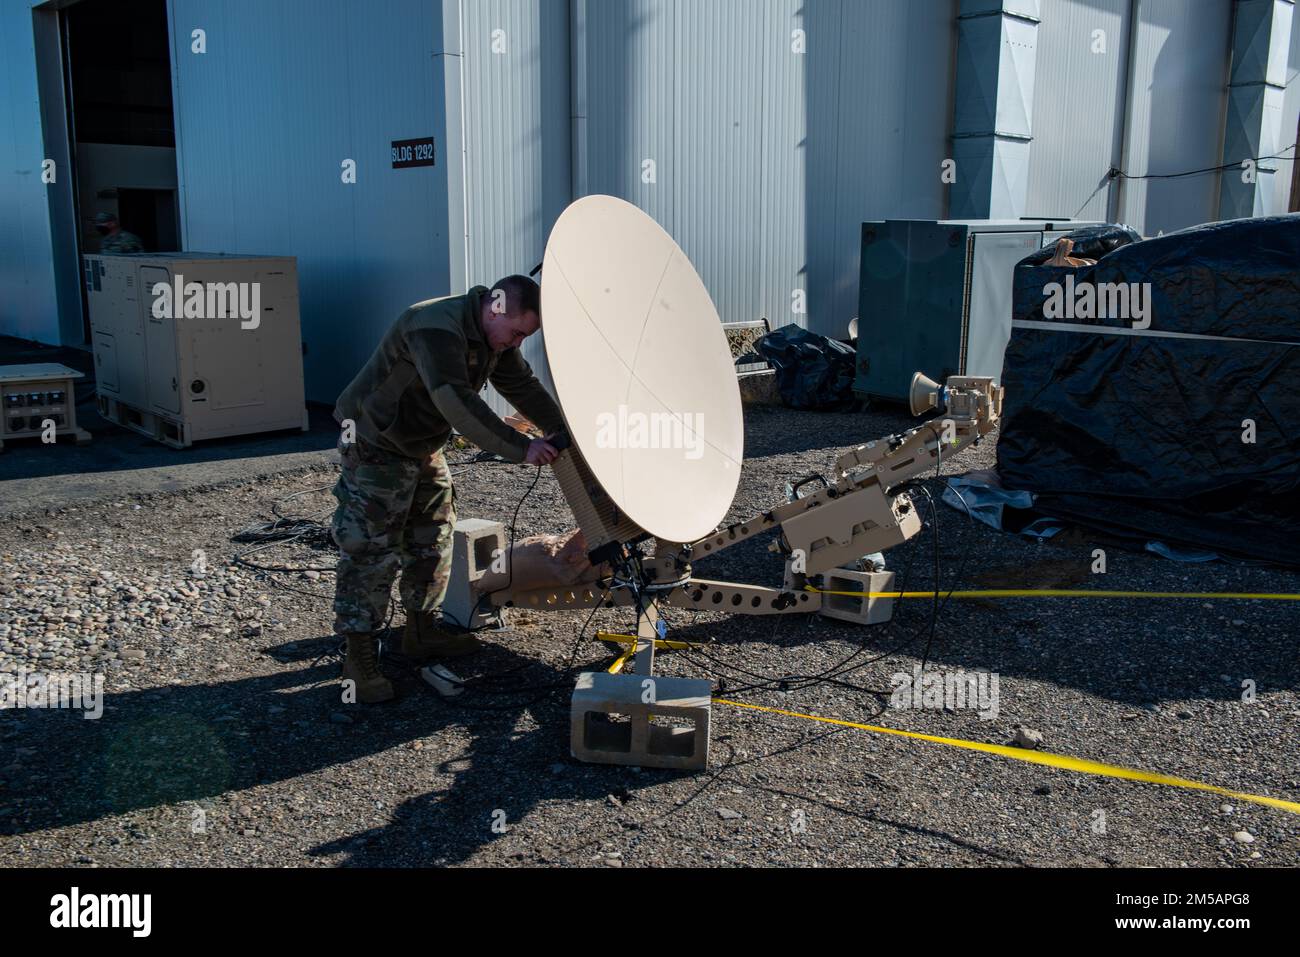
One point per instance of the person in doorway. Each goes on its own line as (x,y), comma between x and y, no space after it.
(115,240)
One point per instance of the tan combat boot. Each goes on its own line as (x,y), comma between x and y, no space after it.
(362,667)
(424,638)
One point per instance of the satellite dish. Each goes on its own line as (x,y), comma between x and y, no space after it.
(642,369)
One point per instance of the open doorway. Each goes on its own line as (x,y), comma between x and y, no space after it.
(122,142)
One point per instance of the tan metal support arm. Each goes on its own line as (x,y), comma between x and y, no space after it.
(973,408)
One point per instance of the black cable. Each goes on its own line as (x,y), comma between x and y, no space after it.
(783,682)
(284,530)
(1114,173)
(510,563)
(287,530)
(1121,174)
(961,569)
(965,555)
(487,679)
(543,691)
(934,601)
(831,674)
(934,519)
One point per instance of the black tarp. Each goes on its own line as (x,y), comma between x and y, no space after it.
(812,371)
(1140,433)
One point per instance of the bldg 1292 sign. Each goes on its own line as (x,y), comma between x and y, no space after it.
(408,153)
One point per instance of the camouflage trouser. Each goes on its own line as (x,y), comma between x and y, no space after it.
(392,511)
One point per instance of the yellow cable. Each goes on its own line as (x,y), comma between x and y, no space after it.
(621,639)
(1058,593)
(1039,757)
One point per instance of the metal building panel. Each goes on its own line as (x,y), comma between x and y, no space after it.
(913,283)
(782,166)
(1282,179)
(715,176)
(285,94)
(661,89)
(28,300)
(1261,41)
(675,77)
(993,262)
(826,22)
(1016,83)
(517,140)
(889,139)
(516,129)
(1253,129)
(631,95)
(449,58)
(1179,92)
(1077,110)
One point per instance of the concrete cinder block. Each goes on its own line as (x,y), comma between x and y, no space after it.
(859,610)
(474,542)
(636,739)
(759,388)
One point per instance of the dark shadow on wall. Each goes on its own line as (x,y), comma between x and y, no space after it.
(841,191)
(554,137)
(823,25)
(611,35)
(554,132)
(1173,204)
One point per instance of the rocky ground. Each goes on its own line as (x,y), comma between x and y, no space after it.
(224,741)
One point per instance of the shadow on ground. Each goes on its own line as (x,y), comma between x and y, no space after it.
(114,451)
(188,744)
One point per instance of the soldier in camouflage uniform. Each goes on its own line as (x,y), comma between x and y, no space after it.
(396,500)
(117,241)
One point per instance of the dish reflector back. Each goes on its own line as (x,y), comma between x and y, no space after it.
(642,369)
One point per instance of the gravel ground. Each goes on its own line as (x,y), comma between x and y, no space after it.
(223,740)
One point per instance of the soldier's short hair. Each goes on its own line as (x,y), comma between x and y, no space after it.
(522,295)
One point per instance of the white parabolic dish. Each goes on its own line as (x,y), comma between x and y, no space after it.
(642,369)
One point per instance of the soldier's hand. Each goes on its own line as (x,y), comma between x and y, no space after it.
(541,452)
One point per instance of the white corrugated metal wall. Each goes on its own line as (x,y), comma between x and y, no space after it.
(285,94)
(516,138)
(1176,100)
(766,159)
(887,136)
(1179,93)
(1078,109)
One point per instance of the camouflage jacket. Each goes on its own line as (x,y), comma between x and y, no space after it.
(426,376)
(121,243)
